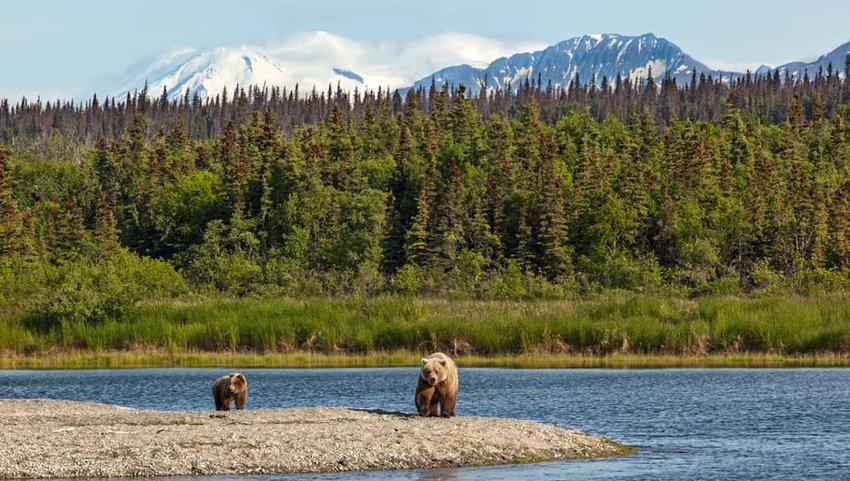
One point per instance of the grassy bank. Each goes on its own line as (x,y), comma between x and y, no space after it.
(88,359)
(615,330)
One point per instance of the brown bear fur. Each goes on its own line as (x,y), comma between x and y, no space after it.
(230,387)
(437,386)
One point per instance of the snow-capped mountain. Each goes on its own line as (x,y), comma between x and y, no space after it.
(209,72)
(212,70)
(589,56)
(837,58)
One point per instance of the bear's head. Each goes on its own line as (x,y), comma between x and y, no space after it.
(237,382)
(434,370)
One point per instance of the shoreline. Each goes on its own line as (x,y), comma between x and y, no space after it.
(151,358)
(69,439)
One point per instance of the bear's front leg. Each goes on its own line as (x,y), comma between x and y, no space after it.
(447,406)
(426,402)
(435,407)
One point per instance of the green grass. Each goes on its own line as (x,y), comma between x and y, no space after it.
(614,330)
(89,359)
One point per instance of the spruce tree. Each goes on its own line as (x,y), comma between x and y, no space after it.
(501,174)
(448,233)
(403,203)
(10,222)
(70,235)
(418,248)
(105,232)
(820,232)
(464,125)
(524,251)
(554,241)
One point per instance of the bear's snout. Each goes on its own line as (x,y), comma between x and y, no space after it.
(432,380)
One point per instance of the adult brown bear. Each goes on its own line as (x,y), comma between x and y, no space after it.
(437,386)
(230,387)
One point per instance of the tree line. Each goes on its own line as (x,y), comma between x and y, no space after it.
(766,96)
(436,195)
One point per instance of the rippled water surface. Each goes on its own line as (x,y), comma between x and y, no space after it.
(688,423)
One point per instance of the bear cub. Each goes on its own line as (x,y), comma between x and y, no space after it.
(230,387)
(437,386)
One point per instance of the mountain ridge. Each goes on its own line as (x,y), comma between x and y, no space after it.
(589,56)
(837,57)
(609,55)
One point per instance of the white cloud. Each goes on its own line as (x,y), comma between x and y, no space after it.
(450,48)
(311,55)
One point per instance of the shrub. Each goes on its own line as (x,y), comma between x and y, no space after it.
(408,280)
(78,292)
(724,286)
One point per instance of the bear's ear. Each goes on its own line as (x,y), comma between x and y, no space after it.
(443,362)
(424,361)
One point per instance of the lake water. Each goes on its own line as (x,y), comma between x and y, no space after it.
(688,423)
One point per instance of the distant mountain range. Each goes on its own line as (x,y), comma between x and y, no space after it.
(209,71)
(589,56)
(837,58)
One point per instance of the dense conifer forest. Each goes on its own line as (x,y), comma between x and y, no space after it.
(710,188)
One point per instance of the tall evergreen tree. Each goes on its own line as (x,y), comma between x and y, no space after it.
(10,222)
(417,247)
(105,232)
(448,233)
(553,223)
(70,234)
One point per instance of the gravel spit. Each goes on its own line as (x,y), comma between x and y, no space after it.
(67,439)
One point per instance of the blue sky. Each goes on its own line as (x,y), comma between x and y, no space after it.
(57,48)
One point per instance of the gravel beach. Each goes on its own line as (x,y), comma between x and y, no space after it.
(49,438)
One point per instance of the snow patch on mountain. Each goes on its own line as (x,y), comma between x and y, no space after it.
(654,67)
(590,56)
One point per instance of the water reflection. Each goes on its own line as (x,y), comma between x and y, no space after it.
(438,475)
